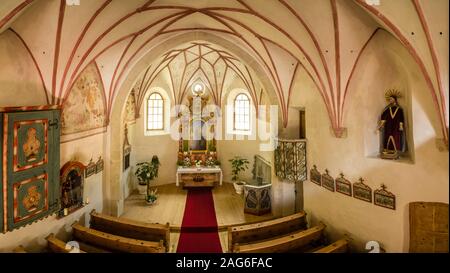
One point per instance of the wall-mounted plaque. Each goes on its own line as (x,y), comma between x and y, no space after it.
(90,168)
(99,165)
(327,181)
(315,175)
(384,198)
(362,191)
(343,185)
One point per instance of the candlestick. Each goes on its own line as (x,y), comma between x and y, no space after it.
(87,200)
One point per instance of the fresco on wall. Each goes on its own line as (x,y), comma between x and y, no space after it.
(130,115)
(84,108)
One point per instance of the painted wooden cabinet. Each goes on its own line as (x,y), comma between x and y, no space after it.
(29,188)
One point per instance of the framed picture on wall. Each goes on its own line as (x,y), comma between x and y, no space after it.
(99,165)
(343,185)
(384,198)
(362,192)
(90,168)
(315,176)
(327,181)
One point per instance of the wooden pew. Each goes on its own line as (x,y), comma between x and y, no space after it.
(286,243)
(340,246)
(264,230)
(114,242)
(19,249)
(130,228)
(58,246)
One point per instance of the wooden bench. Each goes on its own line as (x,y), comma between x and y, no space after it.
(286,243)
(340,246)
(264,230)
(19,249)
(130,228)
(115,242)
(58,246)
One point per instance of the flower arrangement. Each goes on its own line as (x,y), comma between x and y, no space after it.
(198,163)
(186,162)
(210,162)
(152,195)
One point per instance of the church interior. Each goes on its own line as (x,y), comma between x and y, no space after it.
(217,126)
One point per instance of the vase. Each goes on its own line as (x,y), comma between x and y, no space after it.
(142,189)
(239,186)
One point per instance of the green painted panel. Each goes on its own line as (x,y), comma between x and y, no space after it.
(1,175)
(33,166)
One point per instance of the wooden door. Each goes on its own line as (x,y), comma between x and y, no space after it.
(30,166)
(428,227)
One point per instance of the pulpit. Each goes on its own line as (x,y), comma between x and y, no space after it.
(257,193)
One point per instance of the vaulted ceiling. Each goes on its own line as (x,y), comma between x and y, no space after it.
(196,61)
(325,38)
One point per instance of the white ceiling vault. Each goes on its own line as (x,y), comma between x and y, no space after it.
(323,37)
(196,61)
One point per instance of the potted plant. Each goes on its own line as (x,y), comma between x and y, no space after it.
(151,196)
(238,164)
(145,172)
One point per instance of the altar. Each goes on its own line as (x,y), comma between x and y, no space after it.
(199,176)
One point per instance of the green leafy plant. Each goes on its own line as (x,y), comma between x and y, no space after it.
(151,196)
(238,164)
(147,171)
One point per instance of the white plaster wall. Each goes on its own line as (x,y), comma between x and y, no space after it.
(19,79)
(424,179)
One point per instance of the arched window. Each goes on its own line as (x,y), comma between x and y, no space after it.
(155,112)
(242,113)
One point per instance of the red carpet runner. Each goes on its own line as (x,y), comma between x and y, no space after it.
(199,233)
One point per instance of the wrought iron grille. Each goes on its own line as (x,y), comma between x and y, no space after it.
(290,160)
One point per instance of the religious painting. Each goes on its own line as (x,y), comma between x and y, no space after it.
(99,165)
(72,184)
(327,181)
(343,185)
(130,108)
(384,198)
(84,108)
(315,176)
(362,191)
(90,168)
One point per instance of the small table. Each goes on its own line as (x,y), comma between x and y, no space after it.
(200,170)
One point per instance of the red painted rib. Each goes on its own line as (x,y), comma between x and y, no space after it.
(80,38)
(437,70)
(337,53)
(416,58)
(62,8)
(14,12)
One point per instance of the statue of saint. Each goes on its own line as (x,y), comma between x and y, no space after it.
(391,126)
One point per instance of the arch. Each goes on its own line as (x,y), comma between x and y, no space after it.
(113,202)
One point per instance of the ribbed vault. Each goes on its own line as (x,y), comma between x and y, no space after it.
(325,38)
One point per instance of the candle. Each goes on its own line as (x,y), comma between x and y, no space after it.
(66,212)
(87,200)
